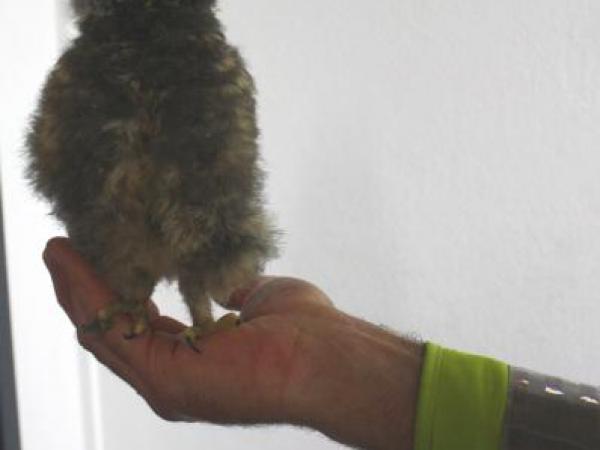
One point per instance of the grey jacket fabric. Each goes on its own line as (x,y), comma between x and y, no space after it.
(549,413)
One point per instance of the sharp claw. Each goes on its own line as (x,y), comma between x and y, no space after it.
(104,319)
(99,325)
(192,345)
(129,336)
(191,335)
(92,327)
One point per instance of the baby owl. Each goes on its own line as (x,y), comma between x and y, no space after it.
(145,144)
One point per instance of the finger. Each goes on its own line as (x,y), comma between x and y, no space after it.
(54,256)
(82,294)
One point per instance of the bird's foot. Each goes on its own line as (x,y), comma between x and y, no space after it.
(139,321)
(193,334)
(104,320)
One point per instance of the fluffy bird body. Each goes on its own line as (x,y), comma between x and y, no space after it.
(145,144)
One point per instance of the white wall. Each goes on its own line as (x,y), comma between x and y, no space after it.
(434,164)
(48,363)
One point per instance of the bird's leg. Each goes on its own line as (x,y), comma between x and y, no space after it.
(198,301)
(139,320)
(204,324)
(222,283)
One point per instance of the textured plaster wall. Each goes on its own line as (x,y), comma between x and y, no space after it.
(434,164)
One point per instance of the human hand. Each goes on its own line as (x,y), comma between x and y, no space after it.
(293,359)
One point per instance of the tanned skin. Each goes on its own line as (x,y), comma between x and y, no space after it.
(294,359)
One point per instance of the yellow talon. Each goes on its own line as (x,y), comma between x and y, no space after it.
(227,322)
(192,334)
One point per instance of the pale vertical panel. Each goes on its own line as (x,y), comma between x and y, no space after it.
(47,359)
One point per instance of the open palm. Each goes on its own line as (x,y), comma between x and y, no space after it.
(254,373)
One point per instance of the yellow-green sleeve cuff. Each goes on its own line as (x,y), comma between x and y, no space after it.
(462,401)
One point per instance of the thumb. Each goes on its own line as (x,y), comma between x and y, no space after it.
(275,295)
(241,296)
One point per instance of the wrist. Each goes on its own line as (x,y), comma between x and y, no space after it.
(362,386)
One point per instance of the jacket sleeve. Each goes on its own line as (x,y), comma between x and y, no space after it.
(470,402)
(549,413)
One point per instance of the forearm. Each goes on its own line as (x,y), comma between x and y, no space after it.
(362,390)
(371,389)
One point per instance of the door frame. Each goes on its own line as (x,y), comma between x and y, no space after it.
(9,422)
